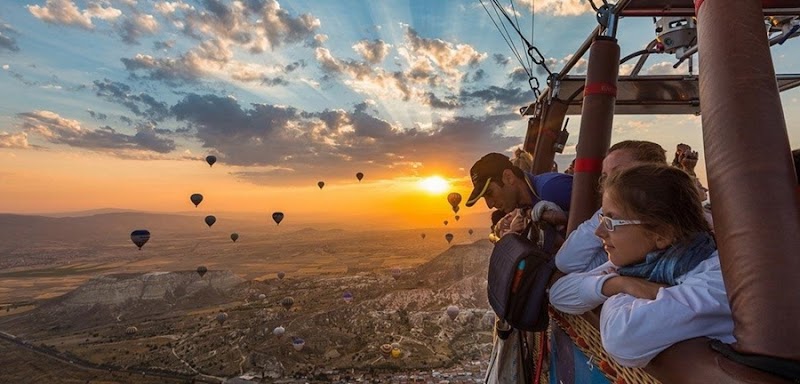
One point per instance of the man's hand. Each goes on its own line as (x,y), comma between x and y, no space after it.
(689,161)
(550,212)
(514,222)
(634,286)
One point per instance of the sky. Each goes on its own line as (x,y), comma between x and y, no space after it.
(115,103)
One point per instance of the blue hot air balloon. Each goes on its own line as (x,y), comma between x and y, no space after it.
(347,296)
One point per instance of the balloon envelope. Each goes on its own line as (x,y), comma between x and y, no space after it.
(446,222)
(131,330)
(287,302)
(196,199)
(396,353)
(234,236)
(456,209)
(210,220)
(396,272)
(281,275)
(140,237)
(452,312)
(386,350)
(457,217)
(279,331)
(347,296)
(423,236)
(448,237)
(320,184)
(277,217)
(470,231)
(359,176)
(454,199)
(298,343)
(201,270)
(211,159)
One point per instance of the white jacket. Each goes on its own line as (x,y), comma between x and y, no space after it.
(634,331)
(583,250)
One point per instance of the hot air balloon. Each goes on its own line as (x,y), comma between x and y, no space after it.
(386,350)
(452,312)
(395,345)
(456,209)
(281,275)
(140,237)
(457,217)
(320,184)
(359,176)
(201,270)
(234,236)
(298,343)
(446,222)
(470,231)
(277,217)
(221,317)
(396,353)
(287,302)
(448,237)
(196,199)
(210,220)
(348,297)
(211,159)
(454,199)
(278,331)
(262,296)
(396,272)
(131,330)
(423,236)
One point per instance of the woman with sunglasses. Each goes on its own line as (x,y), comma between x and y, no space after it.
(663,282)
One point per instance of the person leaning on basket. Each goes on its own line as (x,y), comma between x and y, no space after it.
(662,283)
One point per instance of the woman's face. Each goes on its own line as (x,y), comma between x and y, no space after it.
(626,244)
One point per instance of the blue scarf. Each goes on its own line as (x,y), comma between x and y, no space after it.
(665,266)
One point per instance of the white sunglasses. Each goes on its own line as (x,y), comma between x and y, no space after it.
(611,224)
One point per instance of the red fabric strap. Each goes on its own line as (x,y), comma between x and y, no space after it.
(589,164)
(697,4)
(600,89)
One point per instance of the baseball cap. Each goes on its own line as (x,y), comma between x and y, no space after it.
(486,169)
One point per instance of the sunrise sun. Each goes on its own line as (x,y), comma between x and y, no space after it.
(434,185)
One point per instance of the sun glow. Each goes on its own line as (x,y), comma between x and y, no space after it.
(434,185)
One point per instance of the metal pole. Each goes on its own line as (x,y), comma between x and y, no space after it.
(549,128)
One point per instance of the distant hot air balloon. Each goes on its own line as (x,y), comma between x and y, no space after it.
(281,275)
(131,330)
(196,199)
(470,231)
(457,217)
(359,176)
(454,199)
(456,209)
(279,331)
(211,159)
(320,184)
(210,220)
(277,217)
(452,312)
(396,272)
(221,317)
(234,236)
(423,236)
(395,345)
(446,222)
(201,270)
(396,353)
(287,302)
(448,237)
(298,343)
(262,296)
(386,350)
(347,296)
(140,237)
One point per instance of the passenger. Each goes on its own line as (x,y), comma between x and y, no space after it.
(506,187)
(583,250)
(663,282)
(522,160)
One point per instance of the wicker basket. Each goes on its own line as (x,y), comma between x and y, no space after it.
(587,338)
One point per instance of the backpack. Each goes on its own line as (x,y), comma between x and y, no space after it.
(519,271)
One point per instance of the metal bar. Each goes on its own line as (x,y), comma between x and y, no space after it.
(643,58)
(588,42)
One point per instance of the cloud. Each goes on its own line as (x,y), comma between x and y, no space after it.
(142,105)
(97,115)
(445,55)
(501,59)
(65,12)
(133,28)
(58,130)
(288,139)
(6,41)
(505,96)
(372,51)
(166,44)
(14,140)
(665,68)
(518,74)
(558,7)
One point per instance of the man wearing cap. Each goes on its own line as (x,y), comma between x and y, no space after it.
(506,187)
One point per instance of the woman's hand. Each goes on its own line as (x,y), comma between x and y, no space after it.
(514,222)
(634,286)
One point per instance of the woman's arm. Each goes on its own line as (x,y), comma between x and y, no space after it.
(577,293)
(583,251)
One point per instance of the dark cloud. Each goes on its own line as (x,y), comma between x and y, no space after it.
(285,139)
(501,59)
(132,28)
(58,130)
(97,115)
(518,75)
(142,105)
(274,81)
(166,44)
(172,71)
(7,42)
(478,75)
(289,68)
(505,96)
(450,102)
